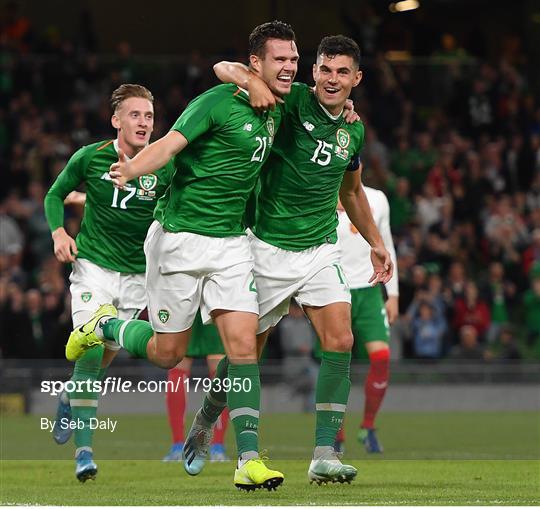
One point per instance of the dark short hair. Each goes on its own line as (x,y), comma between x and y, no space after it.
(128,90)
(269,30)
(339,45)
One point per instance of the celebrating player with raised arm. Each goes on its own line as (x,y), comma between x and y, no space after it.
(107,258)
(314,159)
(197,251)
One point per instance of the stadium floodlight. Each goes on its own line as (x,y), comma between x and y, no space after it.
(404,5)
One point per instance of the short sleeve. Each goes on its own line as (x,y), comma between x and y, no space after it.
(205,112)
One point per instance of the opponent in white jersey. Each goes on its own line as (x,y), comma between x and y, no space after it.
(370,315)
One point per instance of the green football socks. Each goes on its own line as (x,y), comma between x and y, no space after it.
(132,335)
(84,398)
(216,399)
(332,393)
(243,400)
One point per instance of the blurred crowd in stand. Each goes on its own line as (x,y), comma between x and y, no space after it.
(453,140)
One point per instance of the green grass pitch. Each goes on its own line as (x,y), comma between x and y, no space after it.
(429,459)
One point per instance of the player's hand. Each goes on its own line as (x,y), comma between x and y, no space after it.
(349,115)
(261,97)
(383,267)
(65,248)
(119,172)
(392,308)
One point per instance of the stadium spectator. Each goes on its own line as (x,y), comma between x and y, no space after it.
(469,348)
(428,327)
(473,311)
(531,306)
(499,293)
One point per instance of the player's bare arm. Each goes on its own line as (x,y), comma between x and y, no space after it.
(392,308)
(75,198)
(355,203)
(261,97)
(148,160)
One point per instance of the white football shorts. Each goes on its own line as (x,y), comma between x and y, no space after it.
(92,285)
(313,277)
(185,271)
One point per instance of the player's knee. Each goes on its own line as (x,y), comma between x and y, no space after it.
(380,357)
(169,356)
(340,342)
(243,347)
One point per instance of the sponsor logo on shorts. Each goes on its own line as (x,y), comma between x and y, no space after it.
(343,138)
(86,296)
(148,182)
(163,315)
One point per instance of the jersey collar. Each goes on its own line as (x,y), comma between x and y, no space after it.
(333,117)
(115,145)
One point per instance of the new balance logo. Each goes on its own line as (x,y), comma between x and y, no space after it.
(309,126)
(248,127)
(381,385)
(105,176)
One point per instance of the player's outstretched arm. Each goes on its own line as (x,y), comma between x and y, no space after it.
(261,97)
(151,158)
(354,201)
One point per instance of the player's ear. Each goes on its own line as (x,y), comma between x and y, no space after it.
(255,63)
(357,78)
(314,70)
(115,121)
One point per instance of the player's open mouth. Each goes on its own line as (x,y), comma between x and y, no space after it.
(141,134)
(331,90)
(285,79)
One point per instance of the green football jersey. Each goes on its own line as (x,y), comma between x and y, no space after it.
(216,172)
(300,182)
(115,221)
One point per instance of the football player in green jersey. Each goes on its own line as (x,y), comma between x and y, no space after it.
(107,260)
(314,160)
(198,254)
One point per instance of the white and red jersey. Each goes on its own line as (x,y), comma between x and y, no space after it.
(355,251)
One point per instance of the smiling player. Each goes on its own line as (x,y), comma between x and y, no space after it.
(107,257)
(314,159)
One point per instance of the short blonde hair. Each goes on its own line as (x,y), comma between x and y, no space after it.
(127,90)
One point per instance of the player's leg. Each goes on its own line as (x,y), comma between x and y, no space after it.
(217,449)
(230,297)
(237,330)
(374,391)
(372,333)
(325,297)
(90,284)
(175,397)
(332,324)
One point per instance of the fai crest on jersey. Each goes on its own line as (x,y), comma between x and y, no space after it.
(148,182)
(163,315)
(270,126)
(86,296)
(343,138)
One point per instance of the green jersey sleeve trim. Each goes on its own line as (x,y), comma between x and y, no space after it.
(205,112)
(68,180)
